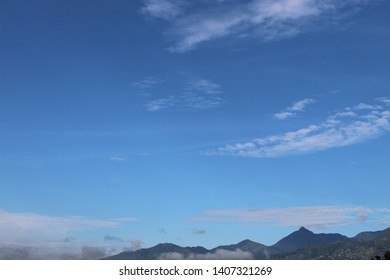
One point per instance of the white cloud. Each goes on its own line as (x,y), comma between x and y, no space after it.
(300,105)
(293,109)
(313,217)
(92,252)
(74,249)
(268,19)
(364,106)
(221,254)
(201,94)
(160,104)
(198,28)
(145,85)
(30,226)
(171,256)
(118,158)
(384,100)
(199,101)
(283,115)
(341,129)
(203,85)
(164,9)
(134,245)
(124,245)
(346,114)
(194,94)
(34,236)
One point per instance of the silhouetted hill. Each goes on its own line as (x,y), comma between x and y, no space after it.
(157,252)
(371,235)
(259,251)
(304,238)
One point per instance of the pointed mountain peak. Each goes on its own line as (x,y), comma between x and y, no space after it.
(246,241)
(303,229)
(304,238)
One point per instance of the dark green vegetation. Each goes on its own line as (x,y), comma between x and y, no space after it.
(299,245)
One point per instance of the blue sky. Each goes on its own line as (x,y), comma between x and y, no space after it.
(124,124)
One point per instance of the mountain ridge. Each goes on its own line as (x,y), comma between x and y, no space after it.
(300,244)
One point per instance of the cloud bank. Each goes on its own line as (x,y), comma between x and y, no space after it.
(18,224)
(314,217)
(350,126)
(35,236)
(191,24)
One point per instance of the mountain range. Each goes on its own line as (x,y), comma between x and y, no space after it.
(301,244)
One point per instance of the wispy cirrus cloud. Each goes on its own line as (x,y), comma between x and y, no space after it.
(314,217)
(145,85)
(164,9)
(161,104)
(193,94)
(201,94)
(204,85)
(291,111)
(350,126)
(266,19)
(119,158)
(384,100)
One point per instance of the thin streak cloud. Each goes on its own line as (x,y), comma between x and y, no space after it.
(313,217)
(267,19)
(348,127)
(24,226)
(291,111)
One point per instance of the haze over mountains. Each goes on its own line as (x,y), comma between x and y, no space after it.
(301,244)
